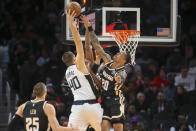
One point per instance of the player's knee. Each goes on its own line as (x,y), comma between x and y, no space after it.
(96,126)
(105,125)
(118,127)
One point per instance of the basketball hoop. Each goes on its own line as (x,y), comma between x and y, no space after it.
(127,40)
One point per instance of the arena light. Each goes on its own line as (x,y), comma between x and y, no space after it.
(84,2)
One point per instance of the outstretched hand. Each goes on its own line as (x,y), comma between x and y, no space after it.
(70,16)
(85,21)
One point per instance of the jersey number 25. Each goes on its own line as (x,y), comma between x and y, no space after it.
(32,124)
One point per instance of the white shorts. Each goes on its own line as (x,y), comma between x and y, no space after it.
(85,115)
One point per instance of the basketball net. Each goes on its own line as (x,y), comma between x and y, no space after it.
(127,41)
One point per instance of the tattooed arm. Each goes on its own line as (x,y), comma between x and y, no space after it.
(88,49)
(95,43)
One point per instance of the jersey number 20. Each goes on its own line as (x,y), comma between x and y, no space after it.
(74,83)
(32,124)
(105,84)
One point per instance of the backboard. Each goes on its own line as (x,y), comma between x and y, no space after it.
(157,20)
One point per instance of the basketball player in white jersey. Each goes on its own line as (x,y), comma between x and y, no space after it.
(85,109)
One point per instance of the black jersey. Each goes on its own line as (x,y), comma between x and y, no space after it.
(108,82)
(34,117)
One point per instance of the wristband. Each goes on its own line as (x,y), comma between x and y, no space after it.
(90,28)
(14,122)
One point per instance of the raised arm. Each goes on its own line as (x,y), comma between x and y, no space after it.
(98,48)
(51,114)
(88,49)
(95,43)
(79,47)
(89,54)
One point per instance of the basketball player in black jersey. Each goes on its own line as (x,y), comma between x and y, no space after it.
(112,77)
(37,114)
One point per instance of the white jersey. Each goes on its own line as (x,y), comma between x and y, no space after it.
(81,84)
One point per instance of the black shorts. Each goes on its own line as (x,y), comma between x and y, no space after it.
(113,109)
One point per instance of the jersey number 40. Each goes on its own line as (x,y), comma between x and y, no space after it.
(74,83)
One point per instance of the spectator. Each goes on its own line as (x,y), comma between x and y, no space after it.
(185,80)
(53,69)
(145,83)
(140,104)
(144,60)
(136,125)
(131,97)
(175,61)
(63,121)
(182,125)
(140,126)
(4,61)
(150,92)
(170,90)
(51,95)
(134,122)
(189,51)
(131,111)
(19,55)
(180,98)
(60,110)
(140,81)
(126,126)
(48,80)
(161,80)
(192,68)
(152,69)
(43,59)
(26,79)
(161,105)
(67,97)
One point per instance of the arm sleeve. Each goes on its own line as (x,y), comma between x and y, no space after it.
(14,122)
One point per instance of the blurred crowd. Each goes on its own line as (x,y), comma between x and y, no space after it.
(160,89)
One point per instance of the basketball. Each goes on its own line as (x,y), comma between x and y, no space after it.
(74,6)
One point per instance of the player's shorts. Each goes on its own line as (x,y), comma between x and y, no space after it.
(113,109)
(85,114)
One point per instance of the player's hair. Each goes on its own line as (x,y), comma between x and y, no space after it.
(38,89)
(67,58)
